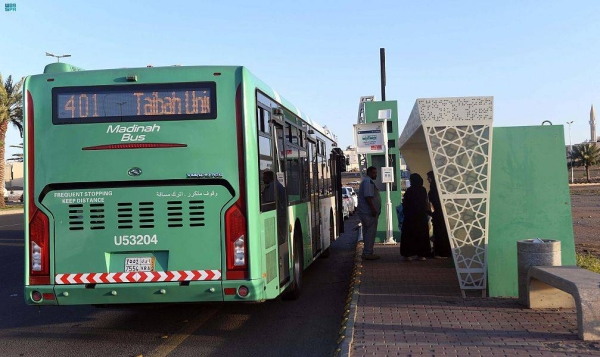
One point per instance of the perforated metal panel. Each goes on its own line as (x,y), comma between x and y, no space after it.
(457,133)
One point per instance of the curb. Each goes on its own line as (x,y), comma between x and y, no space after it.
(11,211)
(346,334)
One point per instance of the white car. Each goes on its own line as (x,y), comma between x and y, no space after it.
(349,191)
(12,195)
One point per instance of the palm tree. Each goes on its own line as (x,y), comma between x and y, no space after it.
(18,157)
(11,111)
(586,155)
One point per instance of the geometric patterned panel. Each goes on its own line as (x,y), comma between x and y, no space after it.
(458,135)
(460,156)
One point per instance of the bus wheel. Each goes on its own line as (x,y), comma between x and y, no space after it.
(293,291)
(327,252)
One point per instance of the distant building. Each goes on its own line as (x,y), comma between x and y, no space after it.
(351,159)
(13,175)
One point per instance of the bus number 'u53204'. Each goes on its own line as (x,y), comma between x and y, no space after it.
(138,239)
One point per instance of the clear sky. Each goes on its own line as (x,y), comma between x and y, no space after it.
(540,60)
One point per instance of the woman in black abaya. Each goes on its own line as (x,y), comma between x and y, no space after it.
(415,229)
(441,243)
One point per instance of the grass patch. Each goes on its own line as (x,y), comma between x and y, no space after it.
(12,207)
(589,262)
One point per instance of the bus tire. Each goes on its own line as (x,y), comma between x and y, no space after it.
(293,290)
(327,252)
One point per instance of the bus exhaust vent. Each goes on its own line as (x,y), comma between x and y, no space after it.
(134,215)
(129,216)
(76,217)
(146,212)
(175,213)
(196,213)
(97,216)
(125,215)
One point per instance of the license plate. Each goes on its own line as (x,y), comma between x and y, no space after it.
(139,264)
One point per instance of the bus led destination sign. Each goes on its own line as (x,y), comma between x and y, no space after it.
(134,103)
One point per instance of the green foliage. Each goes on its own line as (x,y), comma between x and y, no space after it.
(11,103)
(586,155)
(11,111)
(589,262)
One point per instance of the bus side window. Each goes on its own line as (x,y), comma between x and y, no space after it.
(265,158)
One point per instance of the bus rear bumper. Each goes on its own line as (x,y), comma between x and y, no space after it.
(134,293)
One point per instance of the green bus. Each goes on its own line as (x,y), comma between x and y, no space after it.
(172,184)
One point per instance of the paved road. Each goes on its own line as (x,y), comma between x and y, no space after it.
(306,327)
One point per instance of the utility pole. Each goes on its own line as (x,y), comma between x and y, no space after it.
(382,64)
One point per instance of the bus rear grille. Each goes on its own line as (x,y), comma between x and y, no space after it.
(134,215)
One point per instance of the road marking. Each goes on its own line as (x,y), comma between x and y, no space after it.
(12,244)
(11,225)
(178,337)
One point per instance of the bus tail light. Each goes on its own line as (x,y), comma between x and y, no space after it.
(39,224)
(236,235)
(36,296)
(243,291)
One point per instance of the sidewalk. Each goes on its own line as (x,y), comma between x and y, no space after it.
(415,309)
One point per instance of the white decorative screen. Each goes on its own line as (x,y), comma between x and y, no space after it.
(458,134)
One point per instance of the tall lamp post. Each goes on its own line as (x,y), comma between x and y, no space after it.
(570,149)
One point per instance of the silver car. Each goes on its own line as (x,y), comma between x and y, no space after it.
(349,191)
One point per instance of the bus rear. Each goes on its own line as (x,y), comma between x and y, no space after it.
(133,186)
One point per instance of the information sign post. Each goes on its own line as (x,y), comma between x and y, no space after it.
(387,176)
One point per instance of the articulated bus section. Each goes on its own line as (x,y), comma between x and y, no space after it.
(145,186)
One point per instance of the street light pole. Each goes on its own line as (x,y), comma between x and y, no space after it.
(570,149)
(58,57)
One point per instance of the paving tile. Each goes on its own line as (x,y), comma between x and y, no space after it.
(416,309)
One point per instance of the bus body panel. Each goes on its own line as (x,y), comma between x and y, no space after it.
(148,225)
(178,227)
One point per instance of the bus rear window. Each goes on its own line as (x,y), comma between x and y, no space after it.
(137,102)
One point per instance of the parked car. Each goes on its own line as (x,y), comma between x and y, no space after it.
(350,192)
(13,195)
(347,206)
(349,200)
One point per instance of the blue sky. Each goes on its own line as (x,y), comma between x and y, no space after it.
(539,59)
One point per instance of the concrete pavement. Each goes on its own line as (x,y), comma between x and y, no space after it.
(415,308)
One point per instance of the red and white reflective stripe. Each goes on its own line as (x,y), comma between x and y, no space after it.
(138,277)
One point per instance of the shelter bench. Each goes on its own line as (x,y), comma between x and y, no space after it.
(567,287)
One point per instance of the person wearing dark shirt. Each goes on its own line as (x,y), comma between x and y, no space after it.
(369,209)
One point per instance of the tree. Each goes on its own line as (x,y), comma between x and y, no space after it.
(18,157)
(586,155)
(11,111)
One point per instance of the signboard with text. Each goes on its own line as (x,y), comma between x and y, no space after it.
(369,138)
(387,174)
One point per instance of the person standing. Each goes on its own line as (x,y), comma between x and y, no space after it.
(369,208)
(415,229)
(441,243)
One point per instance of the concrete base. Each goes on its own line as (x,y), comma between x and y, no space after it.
(547,287)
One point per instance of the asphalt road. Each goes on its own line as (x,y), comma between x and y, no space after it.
(306,327)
